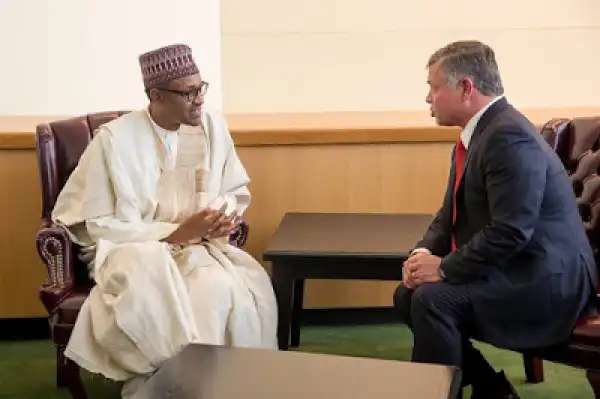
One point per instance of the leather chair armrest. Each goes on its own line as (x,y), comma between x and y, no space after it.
(55,248)
(239,237)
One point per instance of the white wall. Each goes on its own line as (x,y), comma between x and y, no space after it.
(65,57)
(317,55)
(75,56)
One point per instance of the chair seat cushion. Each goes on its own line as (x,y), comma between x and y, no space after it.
(587,332)
(68,309)
(63,319)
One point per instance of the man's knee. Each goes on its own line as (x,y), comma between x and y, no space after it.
(439,297)
(402,299)
(425,295)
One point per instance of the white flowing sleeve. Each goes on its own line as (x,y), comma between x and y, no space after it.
(99,195)
(111,229)
(234,189)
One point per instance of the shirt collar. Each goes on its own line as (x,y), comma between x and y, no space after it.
(468,130)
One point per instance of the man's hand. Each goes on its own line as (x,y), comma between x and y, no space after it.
(407,278)
(196,226)
(224,226)
(422,268)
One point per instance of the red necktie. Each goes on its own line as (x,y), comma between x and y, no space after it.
(459,163)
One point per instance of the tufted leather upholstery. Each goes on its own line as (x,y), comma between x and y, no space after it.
(577,144)
(59,145)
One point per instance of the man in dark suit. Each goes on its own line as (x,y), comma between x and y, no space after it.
(506,259)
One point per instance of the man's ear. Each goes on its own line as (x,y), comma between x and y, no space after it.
(154,94)
(466,85)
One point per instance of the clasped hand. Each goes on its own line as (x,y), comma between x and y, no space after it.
(420,268)
(207,224)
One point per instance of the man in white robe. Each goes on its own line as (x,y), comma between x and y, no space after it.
(152,203)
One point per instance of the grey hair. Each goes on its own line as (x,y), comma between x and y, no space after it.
(473,59)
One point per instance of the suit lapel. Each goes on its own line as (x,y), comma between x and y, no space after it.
(487,117)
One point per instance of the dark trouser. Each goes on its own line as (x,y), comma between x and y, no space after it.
(440,316)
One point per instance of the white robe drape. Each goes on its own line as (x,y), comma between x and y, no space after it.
(150,300)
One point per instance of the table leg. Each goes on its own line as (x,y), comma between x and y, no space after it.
(297,312)
(282,285)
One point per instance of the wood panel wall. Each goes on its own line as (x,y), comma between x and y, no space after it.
(373,178)
(335,162)
(21,270)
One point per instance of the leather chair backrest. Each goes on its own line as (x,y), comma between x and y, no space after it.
(59,146)
(577,143)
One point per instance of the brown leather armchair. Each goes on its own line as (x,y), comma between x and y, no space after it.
(59,146)
(577,143)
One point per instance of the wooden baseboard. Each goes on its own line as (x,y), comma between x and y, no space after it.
(349,316)
(24,329)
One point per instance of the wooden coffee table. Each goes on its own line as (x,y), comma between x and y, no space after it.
(212,372)
(335,246)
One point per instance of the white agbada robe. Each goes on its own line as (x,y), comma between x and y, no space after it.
(133,185)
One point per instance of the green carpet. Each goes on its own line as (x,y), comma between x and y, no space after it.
(27,367)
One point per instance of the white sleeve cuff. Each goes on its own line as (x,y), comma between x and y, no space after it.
(414,251)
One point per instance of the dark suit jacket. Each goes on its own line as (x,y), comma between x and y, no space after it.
(522,252)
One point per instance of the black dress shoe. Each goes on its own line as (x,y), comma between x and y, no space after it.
(497,388)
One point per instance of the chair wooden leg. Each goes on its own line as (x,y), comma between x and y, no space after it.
(67,375)
(594,380)
(62,369)
(534,368)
